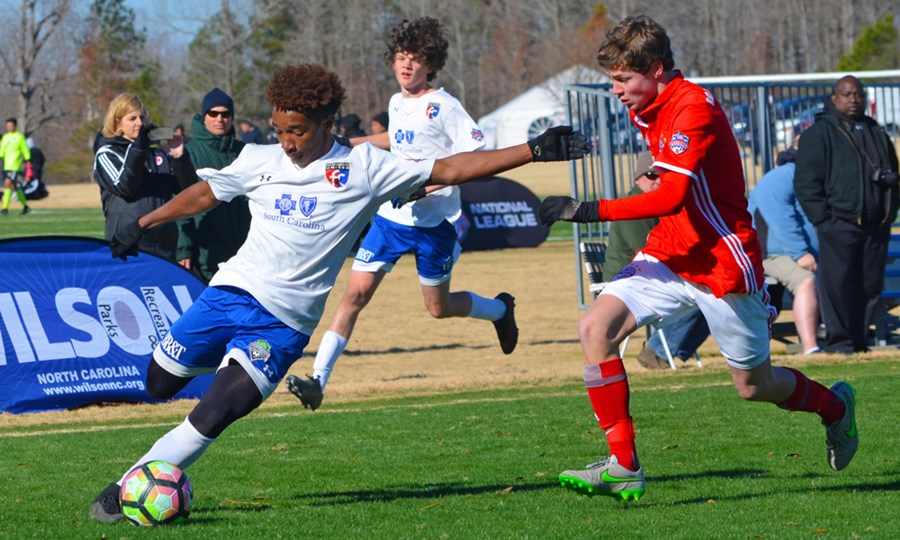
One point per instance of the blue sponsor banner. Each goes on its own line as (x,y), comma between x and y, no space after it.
(78,327)
(499,213)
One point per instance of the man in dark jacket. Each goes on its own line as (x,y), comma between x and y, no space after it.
(211,238)
(846,181)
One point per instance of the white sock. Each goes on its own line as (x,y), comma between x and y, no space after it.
(182,446)
(330,349)
(488,309)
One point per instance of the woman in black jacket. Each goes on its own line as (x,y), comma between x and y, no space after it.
(134,177)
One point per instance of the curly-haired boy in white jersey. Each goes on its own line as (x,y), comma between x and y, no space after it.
(424,123)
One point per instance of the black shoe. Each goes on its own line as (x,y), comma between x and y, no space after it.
(106,507)
(308,391)
(507,331)
(4,211)
(26,210)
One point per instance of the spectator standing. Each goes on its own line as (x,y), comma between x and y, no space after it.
(249,133)
(379,123)
(134,177)
(211,238)
(790,246)
(683,335)
(846,181)
(14,153)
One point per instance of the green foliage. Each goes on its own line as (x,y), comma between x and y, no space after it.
(878,47)
(485,465)
(218,58)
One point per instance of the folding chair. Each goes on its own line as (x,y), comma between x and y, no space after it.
(594,256)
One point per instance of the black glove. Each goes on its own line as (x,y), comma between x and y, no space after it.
(398,202)
(554,209)
(143,140)
(124,242)
(558,144)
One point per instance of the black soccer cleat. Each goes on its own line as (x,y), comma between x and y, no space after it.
(507,331)
(106,507)
(308,391)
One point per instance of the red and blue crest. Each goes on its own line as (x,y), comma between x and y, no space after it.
(432,110)
(679,142)
(477,135)
(337,174)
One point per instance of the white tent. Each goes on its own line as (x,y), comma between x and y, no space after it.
(534,110)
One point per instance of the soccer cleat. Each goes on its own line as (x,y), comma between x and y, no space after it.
(4,211)
(606,477)
(106,507)
(507,331)
(842,437)
(308,391)
(26,210)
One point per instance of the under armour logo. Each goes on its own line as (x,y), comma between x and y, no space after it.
(265,177)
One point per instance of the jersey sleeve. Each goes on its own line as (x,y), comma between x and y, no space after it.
(231,181)
(391,176)
(463,131)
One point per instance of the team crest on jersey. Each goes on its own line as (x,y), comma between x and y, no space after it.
(307,205)
(432,110)
(477,134)
(679,142)
(337,174)
(259,350)
(286,205)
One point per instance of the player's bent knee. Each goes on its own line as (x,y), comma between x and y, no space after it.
(163,385)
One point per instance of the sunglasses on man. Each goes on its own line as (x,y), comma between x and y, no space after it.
(651,174)
(215,114)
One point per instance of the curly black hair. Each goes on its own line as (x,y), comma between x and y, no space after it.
(422,38)
(307,88)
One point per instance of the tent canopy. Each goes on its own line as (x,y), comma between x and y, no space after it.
(538,108)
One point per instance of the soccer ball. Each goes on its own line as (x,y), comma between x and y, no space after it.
(156,493)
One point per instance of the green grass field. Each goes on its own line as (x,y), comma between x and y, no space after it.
(51,221)
(485,465)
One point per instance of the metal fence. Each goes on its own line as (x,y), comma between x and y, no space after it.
(765,116)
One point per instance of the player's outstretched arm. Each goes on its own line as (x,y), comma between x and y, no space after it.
(193,200)
(556,144)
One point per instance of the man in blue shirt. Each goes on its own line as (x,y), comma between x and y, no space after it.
(791,246)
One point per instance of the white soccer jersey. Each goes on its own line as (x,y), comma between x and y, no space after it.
(430,127)
(305,220)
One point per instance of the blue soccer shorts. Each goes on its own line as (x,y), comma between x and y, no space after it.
(435,248)
(227,323)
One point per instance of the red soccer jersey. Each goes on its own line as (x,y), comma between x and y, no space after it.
(705,234)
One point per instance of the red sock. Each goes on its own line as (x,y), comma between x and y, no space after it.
(607,388)
(810,396)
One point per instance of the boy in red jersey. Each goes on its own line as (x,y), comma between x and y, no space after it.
(704,254)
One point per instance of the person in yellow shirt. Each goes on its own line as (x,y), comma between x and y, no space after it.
(14,152)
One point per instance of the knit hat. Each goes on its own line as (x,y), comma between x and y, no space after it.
(216,98)
(644,163)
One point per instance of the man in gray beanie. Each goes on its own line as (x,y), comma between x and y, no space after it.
(209,239)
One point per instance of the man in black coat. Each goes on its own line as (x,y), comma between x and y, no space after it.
(846,181)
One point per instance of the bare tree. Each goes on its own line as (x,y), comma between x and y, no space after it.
(34,77)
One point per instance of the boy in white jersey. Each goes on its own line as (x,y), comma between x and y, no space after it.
(309,200)
(424,123)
